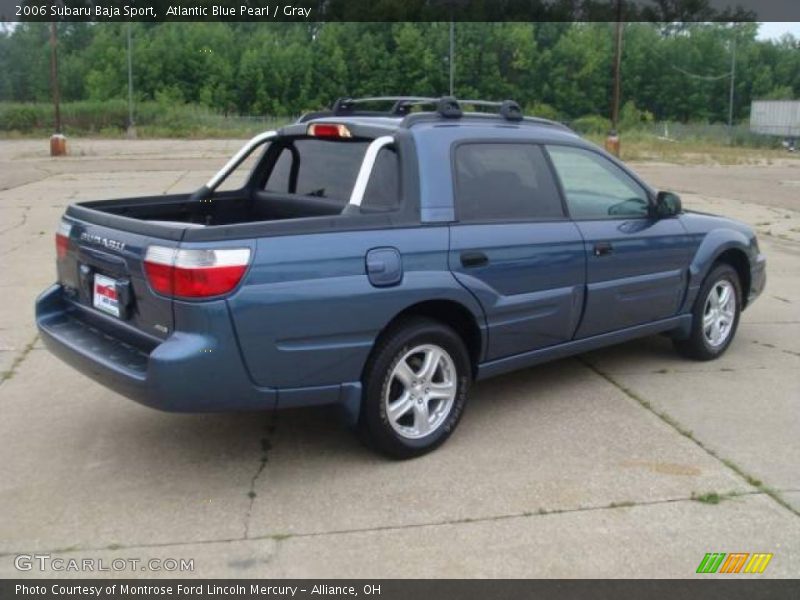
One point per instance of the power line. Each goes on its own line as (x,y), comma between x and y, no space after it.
(730,74)
(703,77)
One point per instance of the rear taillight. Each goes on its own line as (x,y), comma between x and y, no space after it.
(62,239)
(195,273)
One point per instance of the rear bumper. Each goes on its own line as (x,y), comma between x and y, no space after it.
(187,372)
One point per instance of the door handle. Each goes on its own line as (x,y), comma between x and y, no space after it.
(474,259)
(603,248)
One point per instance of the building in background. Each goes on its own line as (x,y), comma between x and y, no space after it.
(777,117)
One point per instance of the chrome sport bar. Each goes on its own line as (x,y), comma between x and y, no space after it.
(358,189)
(366,168)
(205,192)
(239,158)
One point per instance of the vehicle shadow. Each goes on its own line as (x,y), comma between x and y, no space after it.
(316,432)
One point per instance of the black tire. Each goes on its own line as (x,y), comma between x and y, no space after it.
(374,426)
(697,346)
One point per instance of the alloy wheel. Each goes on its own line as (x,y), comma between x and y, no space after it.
(719,313)
(421,391)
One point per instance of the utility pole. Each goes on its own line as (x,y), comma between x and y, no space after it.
(612,141)
(452,56)
(733,83)
(54,77)
(131,127)
(617,76)
(58,143)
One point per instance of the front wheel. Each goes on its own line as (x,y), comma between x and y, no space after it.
(715,316)
(415,388)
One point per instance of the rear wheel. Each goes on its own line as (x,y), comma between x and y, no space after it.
(715,316)
(415,388)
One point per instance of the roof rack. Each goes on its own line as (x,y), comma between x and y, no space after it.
(446,107)
(508,109)
(401,105)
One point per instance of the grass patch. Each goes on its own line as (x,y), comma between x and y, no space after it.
(644,146)
(747,477)
(109,119)
(707,498)
(12,370)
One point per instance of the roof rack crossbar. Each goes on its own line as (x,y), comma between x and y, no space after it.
(400,104)
(446,107)
(508,109)
(487,103)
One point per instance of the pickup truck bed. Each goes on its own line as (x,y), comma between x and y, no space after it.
(182,210)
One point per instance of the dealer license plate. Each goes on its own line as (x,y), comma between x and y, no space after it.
(105,294)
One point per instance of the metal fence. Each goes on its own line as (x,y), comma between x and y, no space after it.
(717,133)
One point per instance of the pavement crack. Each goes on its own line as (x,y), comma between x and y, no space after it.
(9,188)
(15,248)
(21,223)
(671,422)
(542,512)
(18,360)
(279,537)
(774,347)
(266,445)
(773,322)
(174,183)
(693,371)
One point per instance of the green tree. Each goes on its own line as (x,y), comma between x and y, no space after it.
(675,71)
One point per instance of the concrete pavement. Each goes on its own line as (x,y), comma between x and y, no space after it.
(593,466)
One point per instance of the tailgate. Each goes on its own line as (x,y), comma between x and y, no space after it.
(103,271)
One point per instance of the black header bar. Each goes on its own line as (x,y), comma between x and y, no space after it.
(703,587)
(400,10)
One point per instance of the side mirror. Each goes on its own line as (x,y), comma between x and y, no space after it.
(667,205)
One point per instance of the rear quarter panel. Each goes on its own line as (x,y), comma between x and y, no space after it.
(307,314)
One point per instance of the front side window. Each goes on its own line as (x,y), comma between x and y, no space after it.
(596,188)
(504,182)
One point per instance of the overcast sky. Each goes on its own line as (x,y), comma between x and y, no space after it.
(776,30)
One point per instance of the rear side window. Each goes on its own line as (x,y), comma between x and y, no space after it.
(279,178)
(504,182)
(383,188)
(319,168)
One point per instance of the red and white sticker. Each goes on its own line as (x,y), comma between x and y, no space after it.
(105,294)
